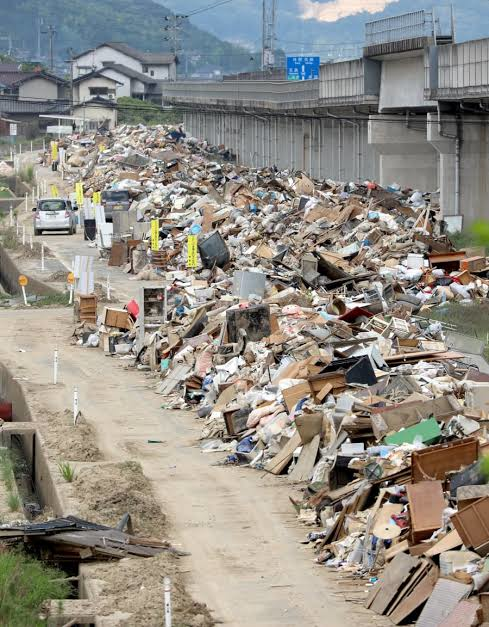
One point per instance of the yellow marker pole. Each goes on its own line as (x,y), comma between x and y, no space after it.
(155,234)
(192,259)
(71,281)
(23,281)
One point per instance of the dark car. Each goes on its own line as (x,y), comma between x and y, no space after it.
(115,200)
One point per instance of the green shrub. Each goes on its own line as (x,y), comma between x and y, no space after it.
(67,471)
(25,584)
(13,501)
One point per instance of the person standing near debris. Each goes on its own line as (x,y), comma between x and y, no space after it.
(178,135)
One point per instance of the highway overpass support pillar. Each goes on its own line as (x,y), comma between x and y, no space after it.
(405,155)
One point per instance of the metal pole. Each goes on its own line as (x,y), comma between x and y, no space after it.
(23,235)
(42,256)
(26,200)
(24,295)
(76,406)
(55,367)
(167,590)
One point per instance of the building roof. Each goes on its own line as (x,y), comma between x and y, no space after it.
(9,67)
(151,58)
(96,101)
(94,74)
(14,79)
(126,71)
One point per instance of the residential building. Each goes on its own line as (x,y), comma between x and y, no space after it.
(94,98)
(97,112)
(26,95)
(142,74)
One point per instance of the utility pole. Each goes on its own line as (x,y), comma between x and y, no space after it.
(70,61)
(269,12)
(173,30)
(40,22)
(50,32)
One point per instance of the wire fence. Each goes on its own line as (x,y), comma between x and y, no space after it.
(9,150)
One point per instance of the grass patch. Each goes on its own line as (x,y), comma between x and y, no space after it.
(27,174)
(5,193)
(13,502)
(7,469)
(67,471)
(25,584)
(9,238)
(53,300)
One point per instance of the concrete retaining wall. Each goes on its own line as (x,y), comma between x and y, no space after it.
(32,444)
(9,275)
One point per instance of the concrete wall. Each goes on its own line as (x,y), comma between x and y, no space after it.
(322,147)
(161,72)
(39,88)
(32,444)
(96,113)
(9,276)
(405,157)
(402,83)
(83,88)
(120,90)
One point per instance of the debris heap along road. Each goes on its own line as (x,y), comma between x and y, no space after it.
(293,315)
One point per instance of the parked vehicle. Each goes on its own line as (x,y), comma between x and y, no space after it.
(115,200)
(54,214)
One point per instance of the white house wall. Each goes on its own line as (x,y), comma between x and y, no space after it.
(39,88)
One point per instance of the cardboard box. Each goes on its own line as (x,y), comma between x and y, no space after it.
(118,318)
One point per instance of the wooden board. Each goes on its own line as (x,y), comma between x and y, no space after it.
(415,598)
(426,505)
(451,541)
(400,547)
(472,523)
(278,463)
(393,577)
(307,459)
(295,394)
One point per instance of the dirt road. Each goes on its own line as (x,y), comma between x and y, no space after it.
(246,561)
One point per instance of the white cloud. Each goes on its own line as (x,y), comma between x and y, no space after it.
(337,9)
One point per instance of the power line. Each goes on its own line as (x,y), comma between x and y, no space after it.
(208,7)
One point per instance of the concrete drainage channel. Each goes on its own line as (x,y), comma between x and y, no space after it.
(39,492)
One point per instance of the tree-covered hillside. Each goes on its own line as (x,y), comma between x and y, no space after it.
(81,24)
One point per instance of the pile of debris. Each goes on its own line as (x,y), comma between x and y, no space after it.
(71,538)
(293,315)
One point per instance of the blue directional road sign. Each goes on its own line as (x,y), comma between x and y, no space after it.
(302,68)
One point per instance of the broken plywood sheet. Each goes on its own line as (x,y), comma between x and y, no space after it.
(278,463)
(443,600)
(451,541)
(307,459)
(175,376)
(416,597)
(393,577)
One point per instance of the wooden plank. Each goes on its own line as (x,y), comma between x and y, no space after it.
(278,463)
(392,579)
(400,547)
(414,579)
(307,459)
(416,598)
(451,541)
